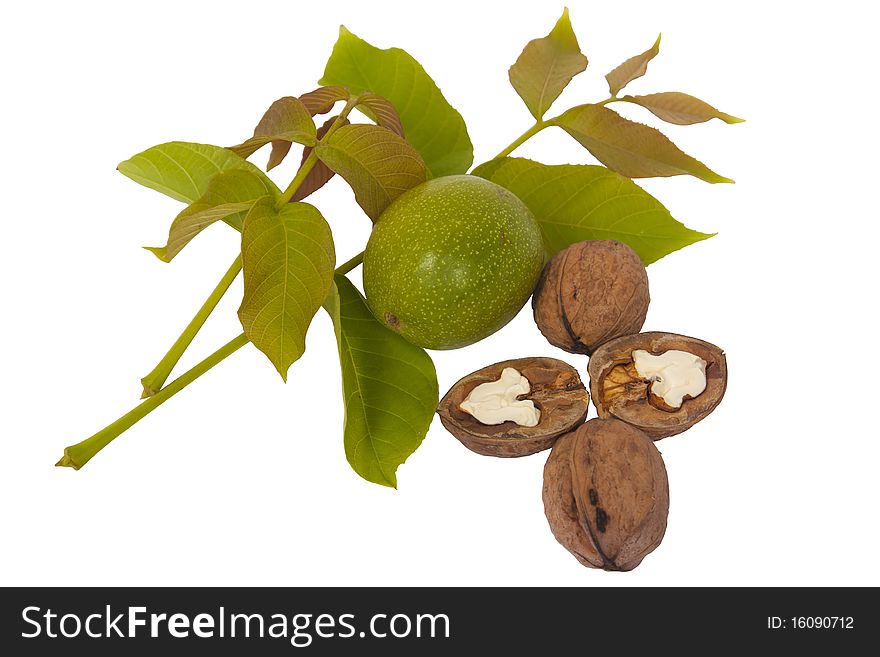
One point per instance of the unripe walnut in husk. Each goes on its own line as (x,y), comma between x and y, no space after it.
(606,495)
(589,293)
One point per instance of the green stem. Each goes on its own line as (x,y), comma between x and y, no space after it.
(540,125)
(524,137)
(298,179)
(76,456)
(346,267)
(154,381)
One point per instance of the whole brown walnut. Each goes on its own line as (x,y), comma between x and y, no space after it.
(606,495)
(556,391)
(589,293)
(619,392)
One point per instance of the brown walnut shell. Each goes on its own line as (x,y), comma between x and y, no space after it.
(619,392)
(589,293)
(556,390)
(606,495)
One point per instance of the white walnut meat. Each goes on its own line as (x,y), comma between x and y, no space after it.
(606,494)
(556,390)
(619,391)
(589,293)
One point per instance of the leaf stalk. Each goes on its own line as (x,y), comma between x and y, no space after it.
(76,456)
(346,267)
(154,381)
(523,138)
(540,125)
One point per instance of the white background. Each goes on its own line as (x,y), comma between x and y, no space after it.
(242,480)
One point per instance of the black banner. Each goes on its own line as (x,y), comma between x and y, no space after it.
(278,621)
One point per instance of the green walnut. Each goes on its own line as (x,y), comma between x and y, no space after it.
(452,261)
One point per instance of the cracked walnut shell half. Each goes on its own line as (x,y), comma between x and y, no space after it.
(556,390)
(619,391)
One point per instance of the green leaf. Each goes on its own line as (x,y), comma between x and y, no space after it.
(680,109)
(632,149)
(286,121)
(188,224)
(546,66)
(378,164)
(183,170)
(389,387)
(381,111)
(320,174)
(631,69)
(288,260)
(229,194)
(576,202)
(432,125)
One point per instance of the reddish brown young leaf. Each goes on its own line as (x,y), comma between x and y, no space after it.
(319,101)
(546,66)
(279,151)
(680,109)
(381,111)
(632,149)
(287,120)
(320,174)
(322,99)
(632,68)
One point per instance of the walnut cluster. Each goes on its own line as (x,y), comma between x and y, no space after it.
(606,494)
